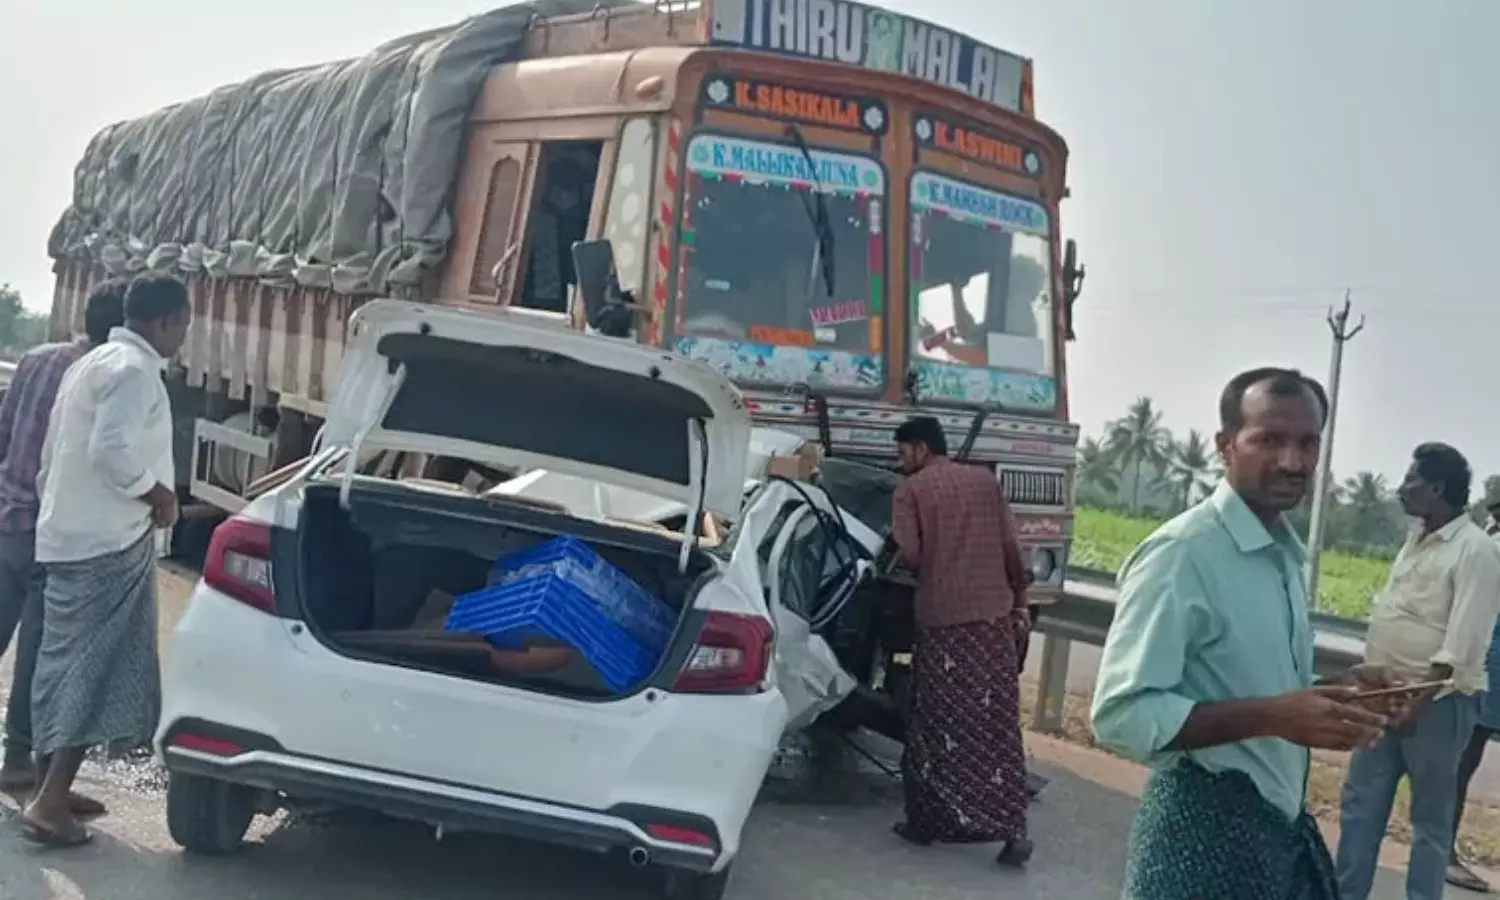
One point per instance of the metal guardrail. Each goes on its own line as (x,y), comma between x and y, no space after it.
(1086,607)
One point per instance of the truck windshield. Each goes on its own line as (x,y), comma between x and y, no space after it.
(752,298)
(982,322)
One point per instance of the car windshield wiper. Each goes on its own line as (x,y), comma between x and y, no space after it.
(817,212)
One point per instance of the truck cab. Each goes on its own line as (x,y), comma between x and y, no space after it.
(852,246)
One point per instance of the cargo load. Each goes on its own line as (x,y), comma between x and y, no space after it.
(337,176)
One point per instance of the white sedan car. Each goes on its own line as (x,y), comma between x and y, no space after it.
(302,671)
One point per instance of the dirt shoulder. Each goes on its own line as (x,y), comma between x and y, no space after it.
(1074,749)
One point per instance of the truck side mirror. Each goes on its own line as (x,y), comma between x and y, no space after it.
(594,266)
(606,309)
(1072,277)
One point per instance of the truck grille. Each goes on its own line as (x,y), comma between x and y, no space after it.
(1028,487)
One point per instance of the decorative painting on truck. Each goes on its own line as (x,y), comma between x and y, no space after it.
(854,34)
(749,363)
(795,104)
(992,388)
(983,147)
(754,297)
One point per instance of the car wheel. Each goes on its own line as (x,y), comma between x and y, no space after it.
(208,816)
(686,885)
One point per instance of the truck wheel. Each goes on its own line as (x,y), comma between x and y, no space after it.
(686,885)
(208,816)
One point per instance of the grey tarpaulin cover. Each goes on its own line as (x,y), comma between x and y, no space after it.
(333,176)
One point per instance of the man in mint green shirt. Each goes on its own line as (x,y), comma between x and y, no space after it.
(1207,672)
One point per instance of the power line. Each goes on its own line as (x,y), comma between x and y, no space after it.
(1261,303)
(1255,311)
(1263,292)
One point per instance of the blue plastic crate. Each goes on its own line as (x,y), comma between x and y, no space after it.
(643,617)
(545,606)
(563,591)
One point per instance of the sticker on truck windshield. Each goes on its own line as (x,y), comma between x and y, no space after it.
(1020,391)
(968,202)
(753,363)
(839,313)
(780,164)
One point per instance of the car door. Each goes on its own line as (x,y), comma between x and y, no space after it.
(807,566)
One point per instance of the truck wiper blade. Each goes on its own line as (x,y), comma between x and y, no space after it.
(817,210)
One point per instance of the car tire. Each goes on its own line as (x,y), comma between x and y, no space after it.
(208,816)
(683,884)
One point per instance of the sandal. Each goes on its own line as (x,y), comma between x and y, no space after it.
(1461,876)
(72,834)
(1035,784)
(1017,853)
(905,832)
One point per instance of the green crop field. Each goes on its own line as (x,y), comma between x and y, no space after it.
(1102,539)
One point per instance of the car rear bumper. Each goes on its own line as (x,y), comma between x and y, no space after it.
(260,764)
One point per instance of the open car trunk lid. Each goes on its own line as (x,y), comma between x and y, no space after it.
(508,390)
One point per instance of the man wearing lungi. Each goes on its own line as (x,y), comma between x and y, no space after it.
(964,769)
(106,484)
(1207,671)
(23,432)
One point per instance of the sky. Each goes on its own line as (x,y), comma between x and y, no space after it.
(1235,167)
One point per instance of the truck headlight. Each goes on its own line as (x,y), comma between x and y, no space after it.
(1043,564)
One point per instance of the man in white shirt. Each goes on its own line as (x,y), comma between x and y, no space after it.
(106,483)
(1432,622)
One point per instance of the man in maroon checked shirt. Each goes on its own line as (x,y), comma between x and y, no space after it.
(23,431)
(964,769)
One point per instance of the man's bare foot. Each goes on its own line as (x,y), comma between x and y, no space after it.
(53,829)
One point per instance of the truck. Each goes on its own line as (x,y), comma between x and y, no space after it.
(850,212)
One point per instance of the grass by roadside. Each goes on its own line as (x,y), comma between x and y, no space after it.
(1478,840)
(1102,539)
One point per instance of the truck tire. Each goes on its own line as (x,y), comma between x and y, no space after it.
(208,816)
(683,884)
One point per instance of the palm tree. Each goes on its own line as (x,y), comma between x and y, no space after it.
(1367,501)
(1096,468)
(1136,441)
(1366,493)
(1191,468)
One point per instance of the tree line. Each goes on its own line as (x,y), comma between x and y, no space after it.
(20,328)
(1138,466)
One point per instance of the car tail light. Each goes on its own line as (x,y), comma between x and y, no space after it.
(676,834)
(730,657)
(239,562)
(205,744)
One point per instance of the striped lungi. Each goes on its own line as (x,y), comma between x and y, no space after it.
(97,678)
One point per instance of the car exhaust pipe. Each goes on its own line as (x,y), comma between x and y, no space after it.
(640,857)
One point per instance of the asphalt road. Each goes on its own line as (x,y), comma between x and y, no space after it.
(828,851)
(840,847)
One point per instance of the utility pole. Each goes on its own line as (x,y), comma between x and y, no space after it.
(1338,324)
